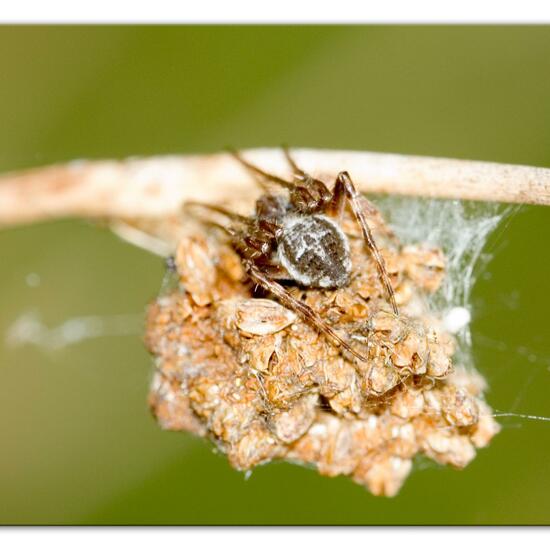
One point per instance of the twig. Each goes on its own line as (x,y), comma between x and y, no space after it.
(157,186)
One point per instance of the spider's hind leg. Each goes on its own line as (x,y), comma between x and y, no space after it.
(345,190)
(308,314)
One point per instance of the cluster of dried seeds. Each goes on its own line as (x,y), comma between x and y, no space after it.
(243,370)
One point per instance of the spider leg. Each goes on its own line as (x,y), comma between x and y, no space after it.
(344,189)
(258,171)
(219,209)
(297,170)
(298,306)
(275,271)
(231,229)
(307,194)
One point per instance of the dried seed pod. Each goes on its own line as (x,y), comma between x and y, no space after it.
(262,352)
(448,448)
(172,407)
(387,323)
(196,268)
(485,428)
(348,400)
(439,363)
(469,379)
(262,317)
(230,422)
(411,351)
(289,425)
(334,377)
(407,403)
(402,441)
(381,378)
(337,458)
(230,263)
(383,474)
(256,447)
(404,293)
(459,408)
(263,384)
(284,384)
(432,402)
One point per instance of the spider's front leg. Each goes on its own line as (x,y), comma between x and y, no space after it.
(308,314)
(307,194)
(345,190)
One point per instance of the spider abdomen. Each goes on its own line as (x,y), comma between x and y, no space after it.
(314,251)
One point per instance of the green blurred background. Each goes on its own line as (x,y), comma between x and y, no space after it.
(78,443)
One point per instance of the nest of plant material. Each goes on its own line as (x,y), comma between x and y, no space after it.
(237,367)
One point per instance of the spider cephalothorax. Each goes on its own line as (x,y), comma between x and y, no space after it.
(297,237)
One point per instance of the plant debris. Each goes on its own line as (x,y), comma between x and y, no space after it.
(236,366)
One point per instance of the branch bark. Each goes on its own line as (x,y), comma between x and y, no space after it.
(157,186)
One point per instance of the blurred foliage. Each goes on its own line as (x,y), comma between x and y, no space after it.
(79,445)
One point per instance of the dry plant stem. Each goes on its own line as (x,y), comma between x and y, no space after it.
(157,186)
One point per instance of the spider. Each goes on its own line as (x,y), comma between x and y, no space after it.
(297,237)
